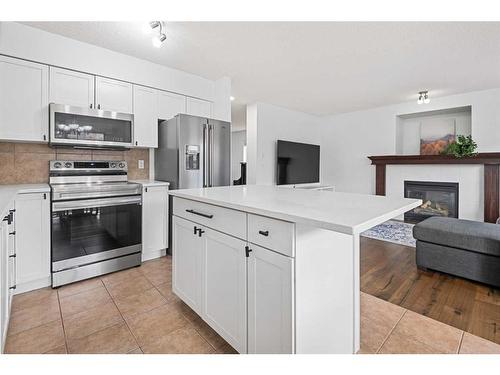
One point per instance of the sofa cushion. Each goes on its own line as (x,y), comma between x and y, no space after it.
(463,234)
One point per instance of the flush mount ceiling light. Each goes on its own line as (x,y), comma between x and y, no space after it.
(231,98)
(423,97)
(160,37)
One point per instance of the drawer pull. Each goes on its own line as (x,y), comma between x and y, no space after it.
(195,229)
(12,256)
(200,232)
(200,214)
(264,232)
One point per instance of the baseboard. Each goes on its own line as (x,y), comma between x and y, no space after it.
(32,285)
(153,254)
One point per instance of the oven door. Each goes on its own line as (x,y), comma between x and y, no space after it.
(92,230)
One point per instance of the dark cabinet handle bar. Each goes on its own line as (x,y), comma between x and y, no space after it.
(264,232)
(200,214)
(200,232)
(13,256)
(247,251)
(13,287)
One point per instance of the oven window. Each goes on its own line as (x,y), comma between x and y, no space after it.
(88,231)
(87,128)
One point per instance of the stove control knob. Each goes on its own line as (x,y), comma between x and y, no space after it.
(113,165)
(68,164)
(57,164)
(121,165)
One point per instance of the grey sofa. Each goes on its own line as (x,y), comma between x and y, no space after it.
(464,248)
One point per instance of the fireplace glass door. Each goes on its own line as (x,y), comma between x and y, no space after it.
(439,199)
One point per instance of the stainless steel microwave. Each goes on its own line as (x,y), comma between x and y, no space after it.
(90,128)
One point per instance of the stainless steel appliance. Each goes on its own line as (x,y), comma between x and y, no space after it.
(193,152)
(96,219)
(89,127)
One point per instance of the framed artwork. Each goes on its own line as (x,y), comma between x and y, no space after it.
(436,135)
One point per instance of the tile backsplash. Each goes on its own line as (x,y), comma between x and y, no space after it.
(28,163)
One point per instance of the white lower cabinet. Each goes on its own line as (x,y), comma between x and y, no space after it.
(245,292)
(270,302)
(224,286)
(187,257)
(5,282)
(154,221)
(32,241)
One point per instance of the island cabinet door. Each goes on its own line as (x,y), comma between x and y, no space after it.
(270,302)
(187,257)
(224,294)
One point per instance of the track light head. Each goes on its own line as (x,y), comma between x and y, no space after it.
(158,40)
(423,97)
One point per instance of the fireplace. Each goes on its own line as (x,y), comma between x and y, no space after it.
(439,199)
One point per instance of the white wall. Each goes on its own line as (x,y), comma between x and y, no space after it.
(356,135)
(266,124)
(238,140)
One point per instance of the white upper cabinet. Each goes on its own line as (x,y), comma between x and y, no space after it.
(170,105)
(113,95)
(198,107)
(145,117)
(24,94)
(71,88)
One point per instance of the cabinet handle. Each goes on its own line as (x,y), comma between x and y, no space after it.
(200,214)
(264,232)
(195,229)
(247,251)
(12,233)
(200,232)
(44,137)
(13,287)
(7,219)
(91,105)
(44,195)
(146,190)
(136,143)
(13,256)
(98,106)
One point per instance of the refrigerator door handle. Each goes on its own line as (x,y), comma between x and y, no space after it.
(211,157)
(205,156)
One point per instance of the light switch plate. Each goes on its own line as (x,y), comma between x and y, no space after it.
(141,164)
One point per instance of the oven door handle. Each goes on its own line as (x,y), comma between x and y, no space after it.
(91,203)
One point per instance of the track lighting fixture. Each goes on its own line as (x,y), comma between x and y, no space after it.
(423,97)
(161,37)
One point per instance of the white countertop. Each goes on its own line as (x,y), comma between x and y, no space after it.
(151,182)
(340,212)
(8,193)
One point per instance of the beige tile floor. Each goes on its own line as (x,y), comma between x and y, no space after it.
(134,311)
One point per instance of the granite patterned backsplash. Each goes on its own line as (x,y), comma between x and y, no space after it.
(28,163)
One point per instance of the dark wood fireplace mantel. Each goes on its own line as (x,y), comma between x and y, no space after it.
(490,160)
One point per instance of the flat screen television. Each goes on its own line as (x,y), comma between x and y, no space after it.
(298,163)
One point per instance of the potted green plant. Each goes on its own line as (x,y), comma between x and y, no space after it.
(463,147)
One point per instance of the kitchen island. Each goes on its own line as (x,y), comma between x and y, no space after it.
(275,270)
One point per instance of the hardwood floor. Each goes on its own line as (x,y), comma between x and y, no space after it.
(389,272)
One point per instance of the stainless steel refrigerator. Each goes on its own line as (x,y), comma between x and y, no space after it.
(193,152)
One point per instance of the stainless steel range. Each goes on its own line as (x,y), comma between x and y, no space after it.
(96,219)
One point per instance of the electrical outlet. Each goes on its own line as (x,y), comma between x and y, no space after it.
(141,164)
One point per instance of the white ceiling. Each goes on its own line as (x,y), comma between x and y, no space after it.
(321,68)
